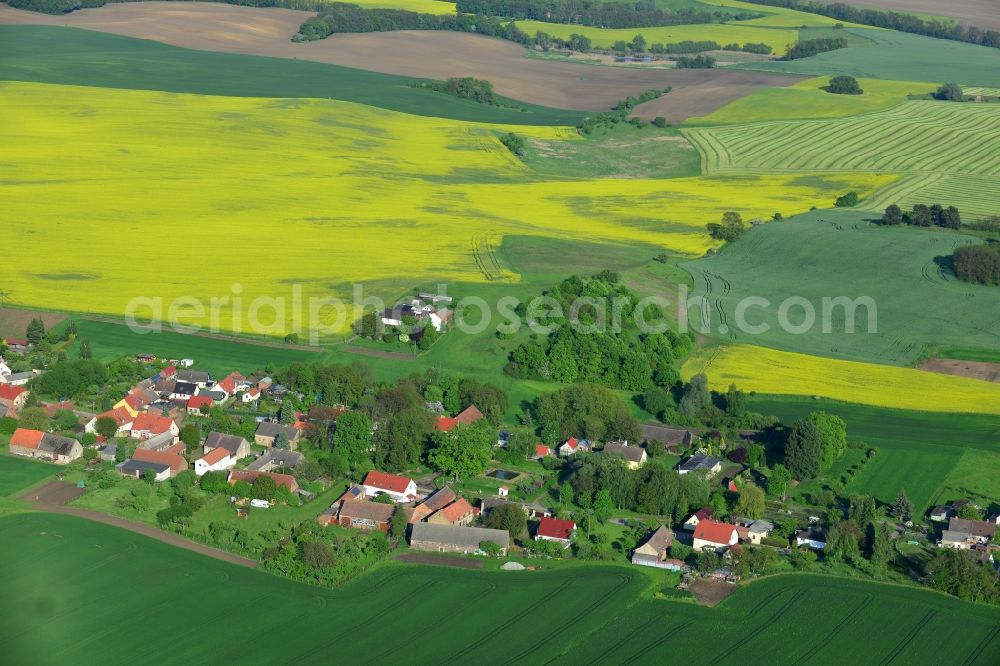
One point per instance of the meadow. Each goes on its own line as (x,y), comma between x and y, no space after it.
(807,100)
(17,474)
(899,56)
(379,195)
(927,140)
(564,615)
(827,254)
(71,56)
(936,457)
(776,372)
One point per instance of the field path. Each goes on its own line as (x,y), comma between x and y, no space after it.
(422,54)
(52,497)
(219,336)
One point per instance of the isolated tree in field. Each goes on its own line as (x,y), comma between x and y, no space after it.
(779,481)
(85,351)
(804,450)
(848,200)
(750,502)
(844,85)
(731,228)
(950,92)
(902,508)
(638,44)
(893,215)
(35,331)
(510,517)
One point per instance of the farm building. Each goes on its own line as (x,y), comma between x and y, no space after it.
(713,535)
(459,512)
(555,529)
(399,488)
(813,537)
(452,539)
(44,446)
(365,515)
(137,469)
(195,403)
(704,513)
(655,552)
(467,416)
(237,446)
(701,463)
(273,459)
(542,451)
(148,425)
(964,534)
(635,456)
(250,476)
(13,397)
(439,500)
(215,460)
(172,458)
(199,379)
(17,378)
(268,431)
(573,445)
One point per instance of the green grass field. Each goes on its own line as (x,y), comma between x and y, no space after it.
(124,591)
(929,141)
(49,54)
(16,474)
(837,253)
(935,457)
(901,57)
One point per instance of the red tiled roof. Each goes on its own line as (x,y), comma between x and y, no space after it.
(52,407)
(120,416)
(555,528)
(176,462)
(572,443)
(446,423)
(714,532)
(215,456)
(8,392)
(168,371)
(542,450)
(457,510)
(16,341)
(285,480)
(152,423)
(198,401)
(228,385)
(704,513)
(29,439)
(470,414)
(385,481)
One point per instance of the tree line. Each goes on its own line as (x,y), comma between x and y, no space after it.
(892,20)
(643,14)
(922,215)
(66,6)
(621,111)
(809,47)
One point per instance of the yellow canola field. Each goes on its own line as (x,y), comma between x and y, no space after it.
(766,370)
(109,195)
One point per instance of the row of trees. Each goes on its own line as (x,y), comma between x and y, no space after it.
(904,22)
(600,14)
(700,61)
(621,111)
(595,338)
(465,87)
(809,47)
(922,215)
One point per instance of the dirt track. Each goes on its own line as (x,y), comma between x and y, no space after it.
(980,13)
(437,55)
(52,498)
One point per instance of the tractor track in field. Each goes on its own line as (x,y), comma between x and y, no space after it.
(835,631)
(908,638)
(720,658)
(983,644)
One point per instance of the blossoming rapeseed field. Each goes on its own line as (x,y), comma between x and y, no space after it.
(112,194)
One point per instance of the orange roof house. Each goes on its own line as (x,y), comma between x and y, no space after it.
(27,439)
(285,480)
(459,512)
(176,462)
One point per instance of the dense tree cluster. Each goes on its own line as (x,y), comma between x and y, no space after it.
(597,13)
(466,87)
(313,554)
(955,572)
(809,47)
(950,92)
(922,215)
(731,228)
(584,410)
(65,380)
(587,344)
(904,22)
(814,444)
(621,112)
(978,263)
(844,85)
(700,61)
(515,143)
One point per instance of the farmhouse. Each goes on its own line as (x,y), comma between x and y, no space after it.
(439,500)
(273,459)
(365,515)
(467,416)
(148,425)
(13,397)
(268,431)
(713,535)
(459,512)
(44,446)
(137,469)
(555,529)
(215,460)
(758,530)
(251,395)
(964,534)
(399,488)
(452,539)
(17,378)
(701,463)
(704,513)
(250,476)
(182,391)
(654,552)
(572,446)
(173,458)
(197,403)
(235,445)
(673,439)
(17,345)
(199,379)
(635,456)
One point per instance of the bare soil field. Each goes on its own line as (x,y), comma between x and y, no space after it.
(711,593)
(435,55)
(987,372)
(980,13)
(440,560)
(14,321)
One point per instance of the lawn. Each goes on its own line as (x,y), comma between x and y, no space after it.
(766,370)
(597,612)
(935,143)
(378,194)
(918,305)
(899,56)
(50,54)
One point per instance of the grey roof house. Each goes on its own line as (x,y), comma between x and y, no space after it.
(454,539)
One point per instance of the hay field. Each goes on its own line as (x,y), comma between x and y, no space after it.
(786,373)
(270,193)
(808,100)
(938,144)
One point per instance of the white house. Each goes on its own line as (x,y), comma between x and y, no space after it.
(701,514)
(399,488)
(17,378)
(253,395)
(4,368)
(713,535)
(214,461)
(813,537)
(148,425)
(572,446)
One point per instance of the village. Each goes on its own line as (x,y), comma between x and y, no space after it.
(522,508)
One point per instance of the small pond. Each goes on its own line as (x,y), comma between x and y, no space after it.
(504,474)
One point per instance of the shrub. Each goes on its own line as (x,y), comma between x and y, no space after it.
(844,85)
